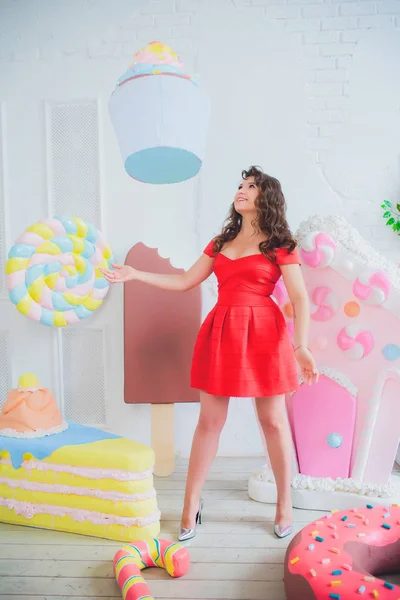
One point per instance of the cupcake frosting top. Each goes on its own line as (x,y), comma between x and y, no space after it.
(155,59)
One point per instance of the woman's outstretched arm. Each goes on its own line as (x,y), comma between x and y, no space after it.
(181,282)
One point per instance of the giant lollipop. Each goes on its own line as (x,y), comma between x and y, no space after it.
(160,116)
(53,271)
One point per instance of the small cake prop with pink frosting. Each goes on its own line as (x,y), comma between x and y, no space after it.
(71,477)
(346,428)
(160,116)
(30,411)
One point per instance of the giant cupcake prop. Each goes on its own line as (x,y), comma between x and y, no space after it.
(160,116)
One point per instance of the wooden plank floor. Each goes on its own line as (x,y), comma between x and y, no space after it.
(235,556)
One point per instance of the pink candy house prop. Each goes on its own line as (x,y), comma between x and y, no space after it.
(346,428)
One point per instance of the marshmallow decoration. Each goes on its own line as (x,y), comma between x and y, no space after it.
(356,341)
(160,116)
(318,250)
(325,304)
(373,289)
(354,335)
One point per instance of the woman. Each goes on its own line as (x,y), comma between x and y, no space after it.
(243,348)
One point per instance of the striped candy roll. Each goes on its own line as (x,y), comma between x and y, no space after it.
(53,274)
(132,558)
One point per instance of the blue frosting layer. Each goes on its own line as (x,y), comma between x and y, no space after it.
(41,448)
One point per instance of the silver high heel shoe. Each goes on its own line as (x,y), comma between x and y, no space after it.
(283,531)
(187,534)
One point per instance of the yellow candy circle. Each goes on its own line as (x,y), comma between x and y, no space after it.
(28,380)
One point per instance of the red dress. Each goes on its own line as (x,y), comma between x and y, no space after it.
(243,348)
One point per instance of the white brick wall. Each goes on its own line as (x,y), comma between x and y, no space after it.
(328,30)
(92,41)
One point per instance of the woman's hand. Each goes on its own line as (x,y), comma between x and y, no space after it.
(119,274)
(305,359)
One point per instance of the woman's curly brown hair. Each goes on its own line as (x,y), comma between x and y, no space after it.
(270,219)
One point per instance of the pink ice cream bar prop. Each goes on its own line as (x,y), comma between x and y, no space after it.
(160,329)
(160,116)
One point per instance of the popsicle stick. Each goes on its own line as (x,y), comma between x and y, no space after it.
(162,438)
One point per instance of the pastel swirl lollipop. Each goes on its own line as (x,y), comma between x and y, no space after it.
(318,249)
(356,341)
(53,274)
(373,289)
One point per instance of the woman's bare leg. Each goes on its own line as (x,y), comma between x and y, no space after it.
(213,413)
(274,422)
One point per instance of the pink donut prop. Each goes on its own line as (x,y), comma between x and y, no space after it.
(132,558)
(325,304)
(355,341)
(318,250)
(372,289)
(338,556)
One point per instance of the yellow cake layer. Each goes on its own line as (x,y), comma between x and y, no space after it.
(140,508)
(112,532)
(52,477)
(115,453)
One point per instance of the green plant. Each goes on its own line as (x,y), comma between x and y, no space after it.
(392,215)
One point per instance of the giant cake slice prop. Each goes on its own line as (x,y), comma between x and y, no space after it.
(70,477)
(160,116)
